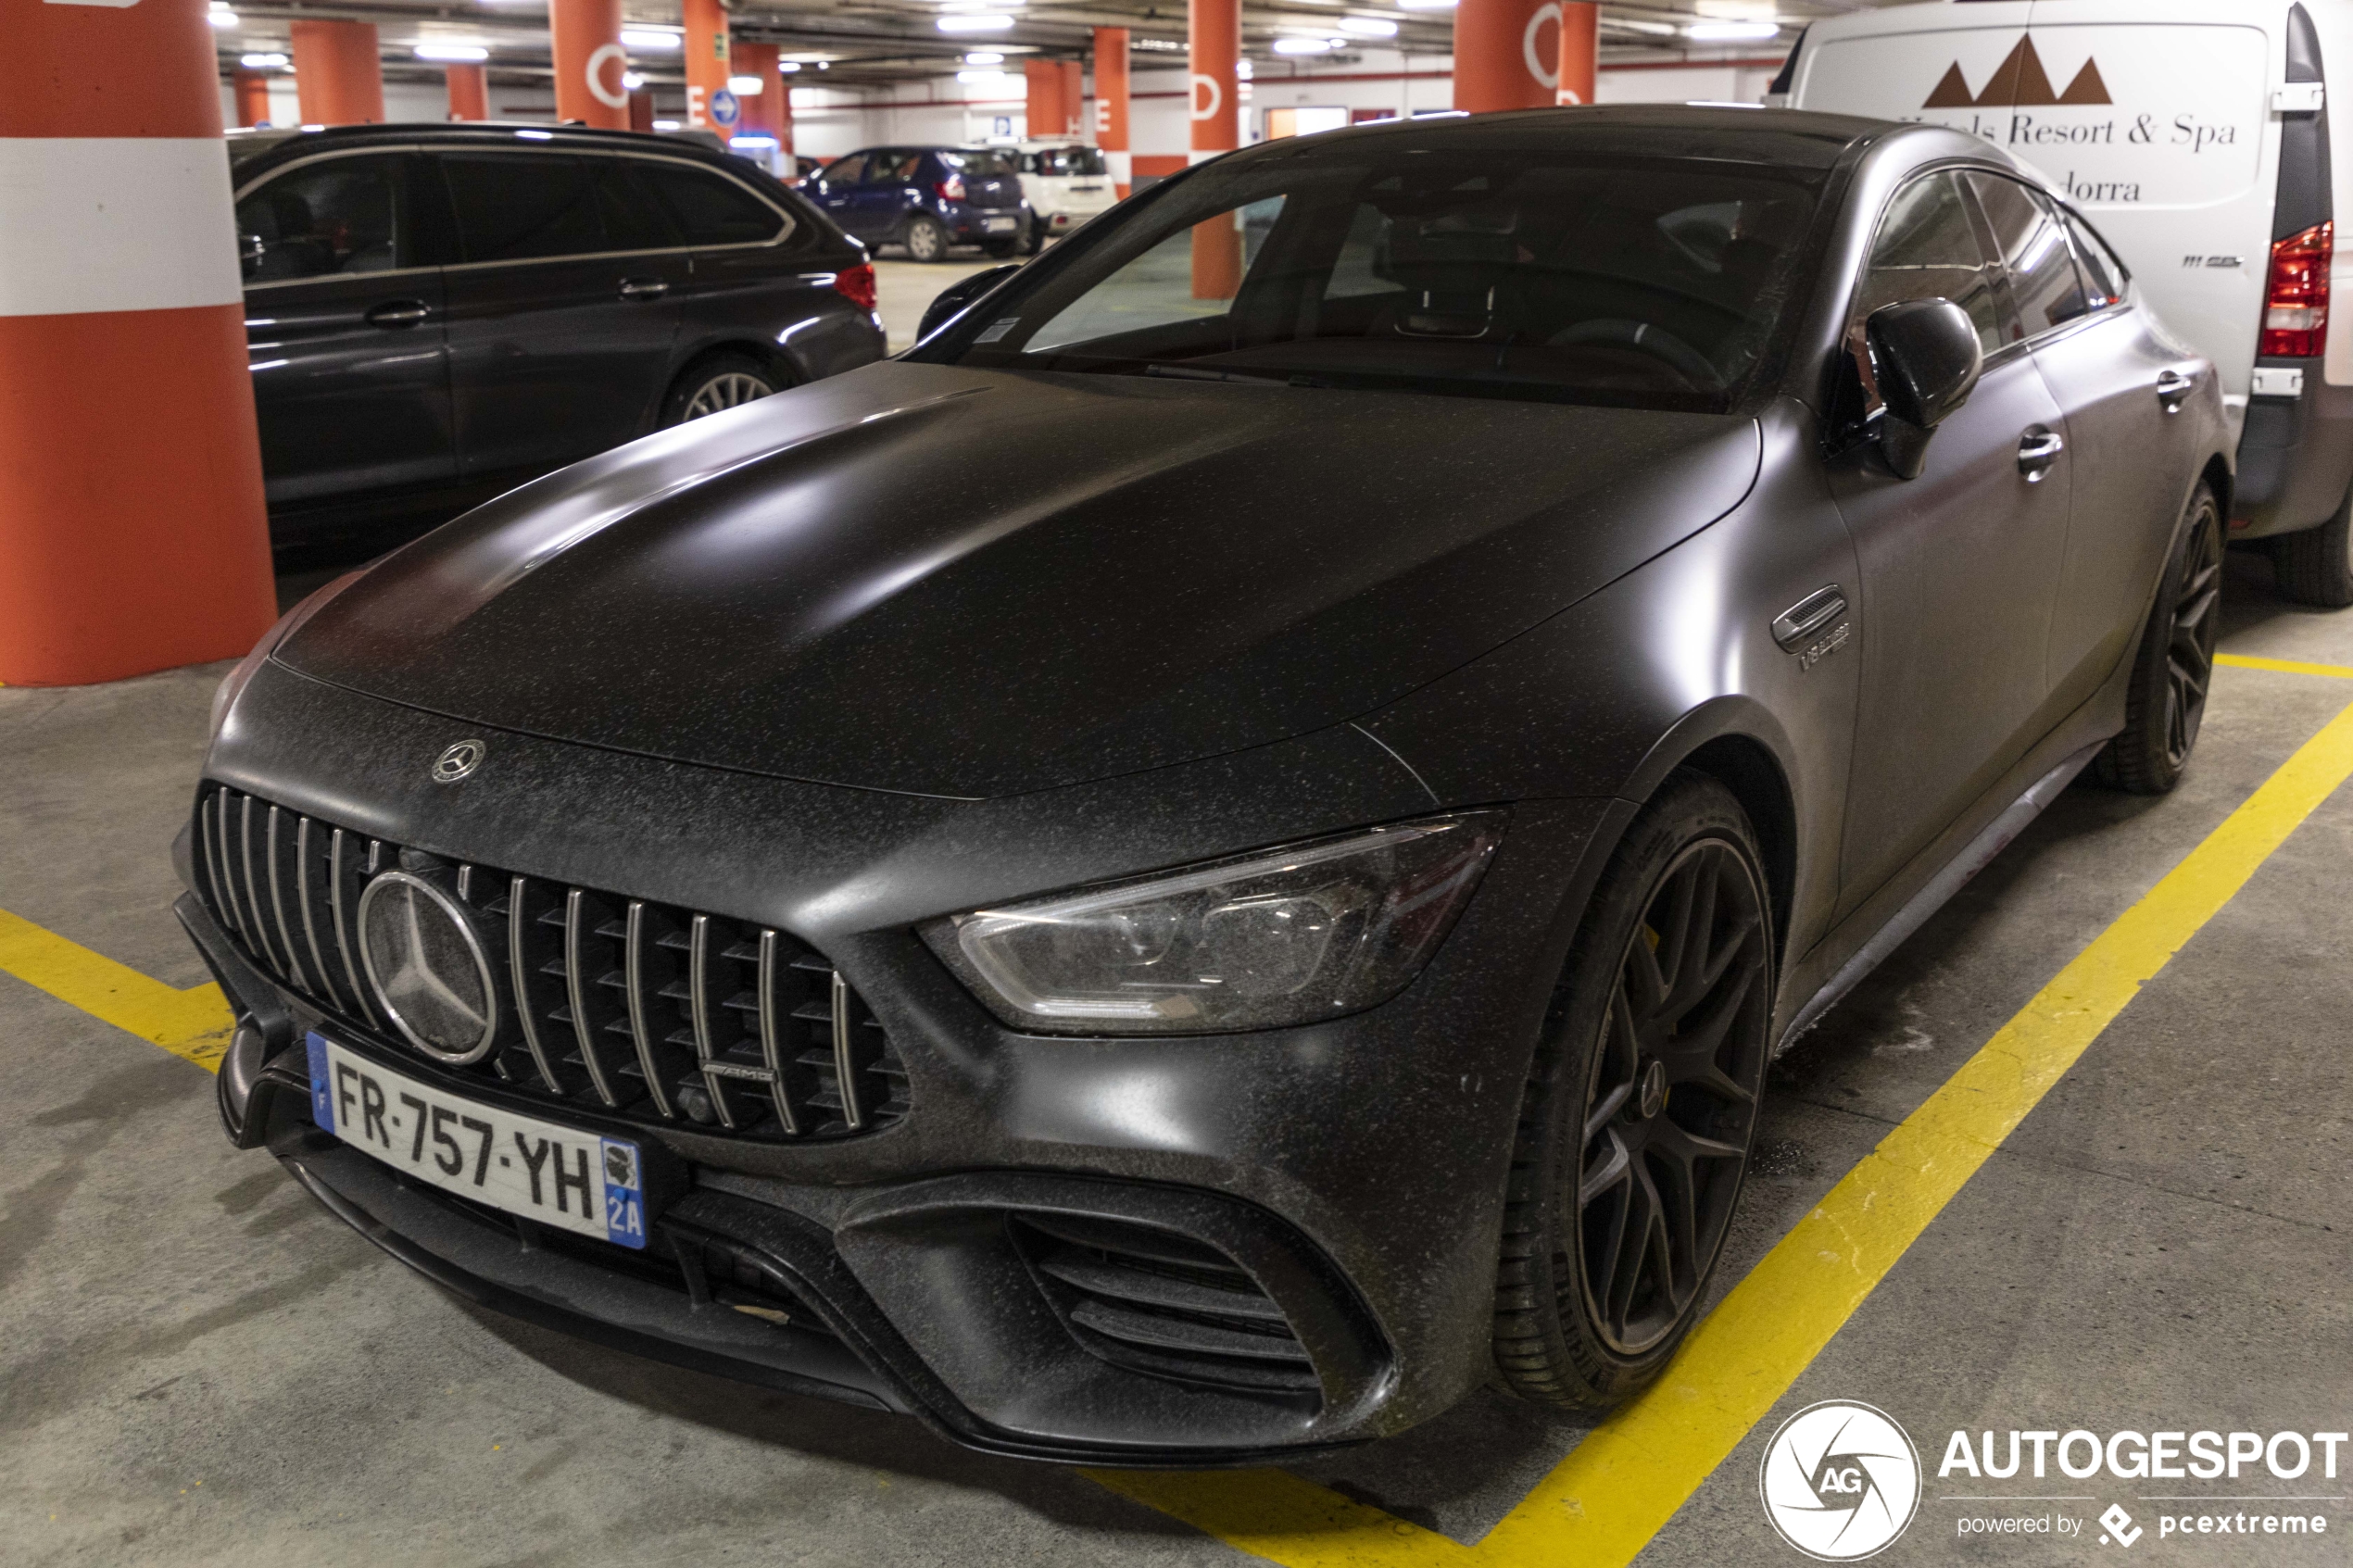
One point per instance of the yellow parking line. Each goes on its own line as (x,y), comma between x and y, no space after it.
(194,1023)
(2285,666)
(1606,1500)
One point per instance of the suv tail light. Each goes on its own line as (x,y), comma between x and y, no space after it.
(856,284)
(2296,296)
(952,189)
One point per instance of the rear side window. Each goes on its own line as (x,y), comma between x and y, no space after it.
(2043,287)
(519,205)
(633,219)
(710,208)
(322,220)
(844,170)
(2103,275)
(1928,248)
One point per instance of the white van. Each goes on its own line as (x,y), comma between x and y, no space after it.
(1065,183)
(2195,136)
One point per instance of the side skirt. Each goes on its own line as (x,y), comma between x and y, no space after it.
(1992,840)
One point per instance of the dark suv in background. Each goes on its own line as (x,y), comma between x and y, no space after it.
(927,199)
(438,313)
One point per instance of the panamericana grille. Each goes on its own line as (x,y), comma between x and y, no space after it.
(606,1002)
(1164,1304)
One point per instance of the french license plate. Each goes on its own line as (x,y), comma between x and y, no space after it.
(546,1172)
(997,224)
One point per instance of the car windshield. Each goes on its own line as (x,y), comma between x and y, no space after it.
(1633,282)
(982,161)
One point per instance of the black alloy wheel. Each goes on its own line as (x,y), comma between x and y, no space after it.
(1642,1107)
(2166,702)
(926,241)
(715,384)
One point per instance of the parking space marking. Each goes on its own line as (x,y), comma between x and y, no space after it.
(1612,1493)
(2284,666)
(194,1023)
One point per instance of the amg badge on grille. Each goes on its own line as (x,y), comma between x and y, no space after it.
(457,761)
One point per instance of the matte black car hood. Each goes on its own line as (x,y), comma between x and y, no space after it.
(927,579)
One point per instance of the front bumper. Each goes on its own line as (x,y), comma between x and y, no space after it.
(1354,1170)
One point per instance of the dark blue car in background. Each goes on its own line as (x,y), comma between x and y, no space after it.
(927,198)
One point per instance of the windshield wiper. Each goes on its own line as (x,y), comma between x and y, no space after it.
(1190,372)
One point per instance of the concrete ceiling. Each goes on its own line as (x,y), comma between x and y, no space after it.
(873,42)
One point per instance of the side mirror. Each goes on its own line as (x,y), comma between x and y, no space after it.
(961,293)
(1926,357)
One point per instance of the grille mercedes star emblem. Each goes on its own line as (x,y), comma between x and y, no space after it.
(457,761)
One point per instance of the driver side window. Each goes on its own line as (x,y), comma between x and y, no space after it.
(336,216)
(1928,247)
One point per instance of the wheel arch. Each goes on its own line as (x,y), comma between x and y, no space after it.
(777,360)
(1737,742)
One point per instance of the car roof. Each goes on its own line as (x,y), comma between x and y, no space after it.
(1717,132)
(246,146)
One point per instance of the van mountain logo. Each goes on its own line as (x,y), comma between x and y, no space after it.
(2019,81)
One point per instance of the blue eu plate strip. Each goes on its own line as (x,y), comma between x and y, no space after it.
(624,1194)
(322,1103)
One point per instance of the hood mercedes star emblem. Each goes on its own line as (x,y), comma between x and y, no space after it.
(457,761)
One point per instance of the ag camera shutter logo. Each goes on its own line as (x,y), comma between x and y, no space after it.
(1840,1481)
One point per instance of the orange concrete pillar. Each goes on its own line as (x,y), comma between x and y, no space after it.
(590,62)
(1110,106)
(708,67)
(131,530)
(469,93)
(337,76)
(1506,54)
(765,112)
(1580,52)
(1214,49)
(1044,108)
(1074,98)
(252,88)
(641,108)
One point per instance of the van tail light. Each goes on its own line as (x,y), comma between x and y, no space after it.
(856,284)
(2296,296)
(952,189)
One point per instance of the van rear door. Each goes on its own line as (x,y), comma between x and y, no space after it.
(2154,116)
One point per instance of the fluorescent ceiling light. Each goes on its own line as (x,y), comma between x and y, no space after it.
(967,21)
(747,86)
(1425,5)
(984,57)
(452,53)
(665,125)
(1304,46)
(789,65)
(651,38)
(1368,27)
(631,80)
(222,15)
(1244,69)
(1731,32)
(261,62)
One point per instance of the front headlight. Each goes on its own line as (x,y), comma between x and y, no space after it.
(1263,941)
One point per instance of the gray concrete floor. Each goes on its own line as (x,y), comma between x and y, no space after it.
(199,1366)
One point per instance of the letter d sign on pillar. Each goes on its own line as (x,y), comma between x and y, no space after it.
(131,530)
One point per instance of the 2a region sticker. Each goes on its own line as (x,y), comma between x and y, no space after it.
(1839,1480)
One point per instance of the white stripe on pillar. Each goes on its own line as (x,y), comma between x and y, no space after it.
(115,223)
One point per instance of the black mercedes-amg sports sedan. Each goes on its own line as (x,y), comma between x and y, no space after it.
(1216,853)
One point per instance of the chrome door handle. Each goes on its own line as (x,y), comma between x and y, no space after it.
(2173,389)
(643,288)
(399,313)
(2037,450)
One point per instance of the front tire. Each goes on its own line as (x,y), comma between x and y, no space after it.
(1641,1106)
(2166,702)
(927,240)
(2314,566)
